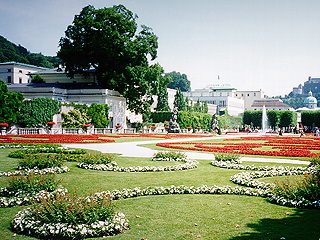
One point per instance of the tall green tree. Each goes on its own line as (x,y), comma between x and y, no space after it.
(37,112)
(179,101)
(162,103)
(10,104)
(179,81)
(108,40)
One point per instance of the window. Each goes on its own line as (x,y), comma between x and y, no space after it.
(236,95)
(20,79)
(220,94)
(254,94)
(248,94)
(20,71)
(9,79)
(242,95)
(9,70)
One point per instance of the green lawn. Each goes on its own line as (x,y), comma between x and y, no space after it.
(181,216)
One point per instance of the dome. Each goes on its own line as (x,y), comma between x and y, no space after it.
(310,99)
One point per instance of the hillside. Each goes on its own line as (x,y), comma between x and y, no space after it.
(10,52)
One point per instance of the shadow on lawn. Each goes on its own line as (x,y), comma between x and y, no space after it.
(303,224)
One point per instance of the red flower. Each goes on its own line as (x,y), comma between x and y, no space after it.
(4,125)
(86,125)
(50,123)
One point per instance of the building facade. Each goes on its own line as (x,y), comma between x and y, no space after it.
(249,97)
(17,73)
(82,90)
(223,96)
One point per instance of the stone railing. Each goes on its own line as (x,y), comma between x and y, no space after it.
(28,131)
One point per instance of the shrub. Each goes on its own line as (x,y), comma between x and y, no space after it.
(40,161)
(32,183)
(231,157)
(308,188)
(98,158)
(66,209)
(169,156)
(315,161)
(23,152)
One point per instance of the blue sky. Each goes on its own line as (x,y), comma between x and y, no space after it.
(271,45)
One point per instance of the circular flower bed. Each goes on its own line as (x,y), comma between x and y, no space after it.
(25,223)
(21,198)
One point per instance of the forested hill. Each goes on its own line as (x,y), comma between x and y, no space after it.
(10,52)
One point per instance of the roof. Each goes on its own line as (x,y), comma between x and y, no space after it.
(58,70)
(85,85)
(24,65)
(269,103)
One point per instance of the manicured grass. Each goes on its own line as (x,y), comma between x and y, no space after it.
(181,216)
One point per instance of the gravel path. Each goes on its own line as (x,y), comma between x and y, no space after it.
(131,149)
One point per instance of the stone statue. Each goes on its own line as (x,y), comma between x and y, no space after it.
(214,123)
(173,125)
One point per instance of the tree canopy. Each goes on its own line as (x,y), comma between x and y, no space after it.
(179,81)
(108,40)
(10,103)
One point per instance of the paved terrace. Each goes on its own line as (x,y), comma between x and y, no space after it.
(132,149)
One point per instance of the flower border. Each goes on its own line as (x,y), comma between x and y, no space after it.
(188,164)
(53,170)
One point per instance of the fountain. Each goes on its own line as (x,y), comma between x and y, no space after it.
(264,120)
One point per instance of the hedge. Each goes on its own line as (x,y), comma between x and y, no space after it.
(185,119)
(310,118)
(280,118)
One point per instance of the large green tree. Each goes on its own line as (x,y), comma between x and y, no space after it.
(179,81)
(109,41)
(10,104)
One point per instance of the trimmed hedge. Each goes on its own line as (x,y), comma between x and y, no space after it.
(281,118)
(185,119)
(308,118)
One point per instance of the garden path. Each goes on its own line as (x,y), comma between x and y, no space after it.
(132,149)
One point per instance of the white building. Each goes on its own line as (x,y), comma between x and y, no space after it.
(249,97)
(17,73)
(78,90)
(221,95)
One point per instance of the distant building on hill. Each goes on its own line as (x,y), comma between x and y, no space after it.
(313,85)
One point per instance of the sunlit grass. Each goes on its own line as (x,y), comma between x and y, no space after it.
(181,216)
